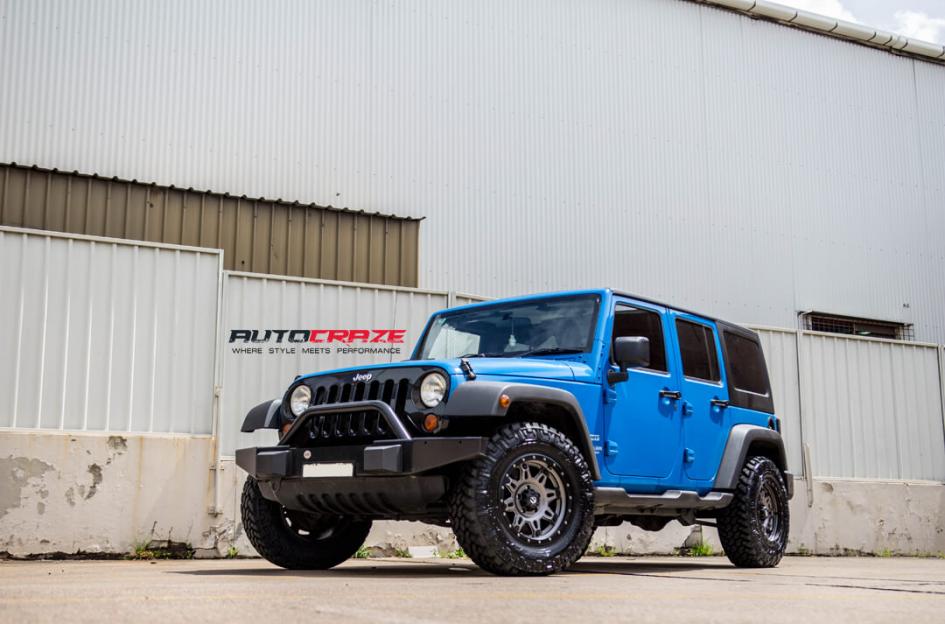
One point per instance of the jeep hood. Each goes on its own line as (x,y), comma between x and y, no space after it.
(523,367)
(493,367)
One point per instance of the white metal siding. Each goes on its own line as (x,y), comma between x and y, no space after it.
(872,409)
(105,335)
(867,408)
(273,302)
(780,348)
(666,147)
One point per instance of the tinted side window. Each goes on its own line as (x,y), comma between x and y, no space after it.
(697,348)
(747,364)
(636,322)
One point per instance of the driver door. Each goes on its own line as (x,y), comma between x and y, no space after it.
(644,424)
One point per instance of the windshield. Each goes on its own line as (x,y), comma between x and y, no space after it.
(535,327)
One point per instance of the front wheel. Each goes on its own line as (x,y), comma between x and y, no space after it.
(298,540)
(753,529)
(527,505)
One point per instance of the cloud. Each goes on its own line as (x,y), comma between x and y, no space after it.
(918,25)
(830,8)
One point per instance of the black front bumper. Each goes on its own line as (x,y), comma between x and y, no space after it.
(383,458)
(402,455)
(387,478)
(390,480)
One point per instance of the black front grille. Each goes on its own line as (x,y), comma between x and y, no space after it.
(355,427)
(390,391)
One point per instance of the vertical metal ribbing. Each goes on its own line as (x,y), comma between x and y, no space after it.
(164,208)
(42,348)
(108,206)
(152,385)
(133,289)
(127,211)
(67,316)
(88,346)
(941,384)
(111,340)
(19,329)
(147,213)
(26,199)
(46,202)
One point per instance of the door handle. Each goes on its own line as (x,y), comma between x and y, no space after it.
(719,403)
(675,395)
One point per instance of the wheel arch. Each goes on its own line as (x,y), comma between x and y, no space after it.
(745,441)
(266,415)
(551,406)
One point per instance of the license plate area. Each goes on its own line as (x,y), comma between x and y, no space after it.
(328,469)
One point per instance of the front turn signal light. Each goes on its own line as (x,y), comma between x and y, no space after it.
(504,401)
(431,423)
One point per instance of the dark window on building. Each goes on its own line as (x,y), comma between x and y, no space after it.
(746,363)
(853,326)
(636,322)
(700,359)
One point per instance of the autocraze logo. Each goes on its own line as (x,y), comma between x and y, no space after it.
(294,341)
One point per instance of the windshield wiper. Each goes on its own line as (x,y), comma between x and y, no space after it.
(550,351)
(475,355)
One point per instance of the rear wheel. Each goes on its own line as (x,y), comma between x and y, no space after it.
(527,505)
(754,528)
(298,540)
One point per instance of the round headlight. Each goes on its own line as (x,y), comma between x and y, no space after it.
(300,400)
(432,389)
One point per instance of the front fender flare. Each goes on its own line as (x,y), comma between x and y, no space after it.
(481,398)
(264,416)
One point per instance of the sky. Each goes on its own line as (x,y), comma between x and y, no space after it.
(919,19)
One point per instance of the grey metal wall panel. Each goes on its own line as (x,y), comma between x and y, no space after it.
(105,335)
(261,302)
(780,348)
(270,237)
(872,408)
(549,144)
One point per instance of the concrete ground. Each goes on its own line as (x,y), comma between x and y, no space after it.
(650,589)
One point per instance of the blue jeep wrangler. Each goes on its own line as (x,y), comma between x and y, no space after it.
(523,424)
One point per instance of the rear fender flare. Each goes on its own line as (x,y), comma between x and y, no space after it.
(740,440)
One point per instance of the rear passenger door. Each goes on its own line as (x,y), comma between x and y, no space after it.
(704,395)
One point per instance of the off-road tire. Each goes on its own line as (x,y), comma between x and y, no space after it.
(264,522)
(479,517)
(741,526)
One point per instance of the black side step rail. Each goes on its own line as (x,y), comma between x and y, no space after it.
(618,501)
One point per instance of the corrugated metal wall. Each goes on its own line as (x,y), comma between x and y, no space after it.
(106,335)
(872,409)
(780,347)
(867,408)
(257,235)
(665,147)
(255,302)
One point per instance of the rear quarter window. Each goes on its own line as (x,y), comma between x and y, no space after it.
(746,364)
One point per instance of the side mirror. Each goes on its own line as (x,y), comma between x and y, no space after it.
(632,352)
